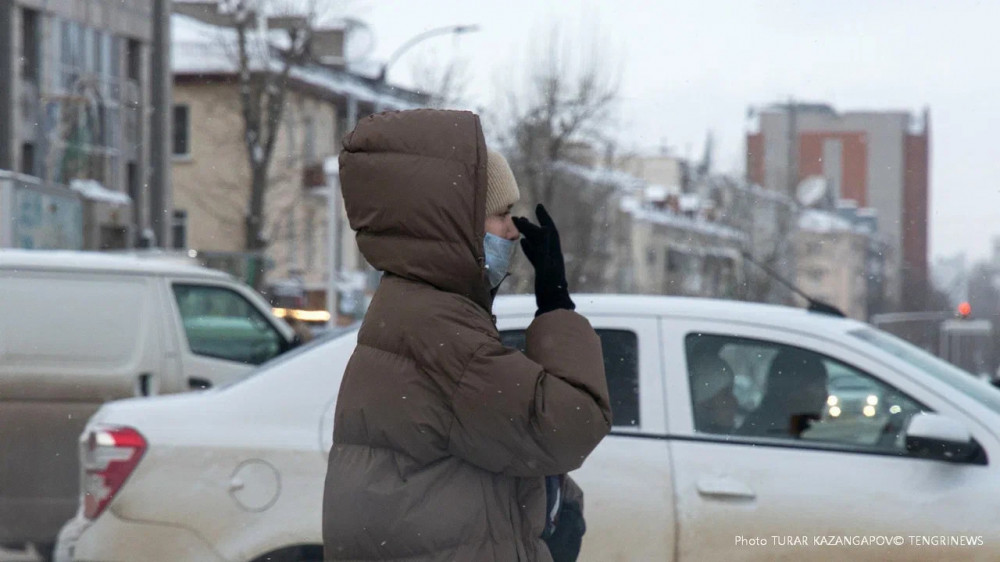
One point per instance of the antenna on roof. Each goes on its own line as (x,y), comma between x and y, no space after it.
(814,305)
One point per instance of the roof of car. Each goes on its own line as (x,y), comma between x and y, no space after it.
(59,260)
(688,307)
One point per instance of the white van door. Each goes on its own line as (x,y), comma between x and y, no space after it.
(222,331)
(805,457)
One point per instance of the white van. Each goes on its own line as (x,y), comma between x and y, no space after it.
(78,329)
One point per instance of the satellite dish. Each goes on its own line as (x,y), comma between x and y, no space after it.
(811,191)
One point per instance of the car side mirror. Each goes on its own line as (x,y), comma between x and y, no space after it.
(939,437)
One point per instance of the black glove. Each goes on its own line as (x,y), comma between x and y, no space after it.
(541,246)
(564,544)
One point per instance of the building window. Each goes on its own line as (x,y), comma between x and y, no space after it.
(180,229)
(30,56)
(310,234)
(132,184)
(290,131)
(97,53)
(28,159)
(182,122)
(816,274)
(133,56)
(309,145)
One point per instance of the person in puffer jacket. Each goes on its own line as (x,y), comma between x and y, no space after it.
(443,437)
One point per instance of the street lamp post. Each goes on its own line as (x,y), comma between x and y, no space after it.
(456,29)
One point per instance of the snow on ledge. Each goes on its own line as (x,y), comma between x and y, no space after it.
(94,191)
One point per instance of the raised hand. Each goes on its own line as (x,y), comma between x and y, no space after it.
(541,247)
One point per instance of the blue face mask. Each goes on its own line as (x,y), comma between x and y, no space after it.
(499,252)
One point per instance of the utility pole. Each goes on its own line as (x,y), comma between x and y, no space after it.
(160,207)
(793,149)
(788,220)
(335,226)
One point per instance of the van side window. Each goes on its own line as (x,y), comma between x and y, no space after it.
(759,389)
(621,367)
(220,323)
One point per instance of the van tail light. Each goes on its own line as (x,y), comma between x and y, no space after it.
(110,454)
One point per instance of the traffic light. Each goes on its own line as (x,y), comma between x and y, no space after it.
(964,310)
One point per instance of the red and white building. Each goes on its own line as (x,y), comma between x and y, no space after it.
(877,159)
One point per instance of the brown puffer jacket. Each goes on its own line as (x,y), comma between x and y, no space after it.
(443,435)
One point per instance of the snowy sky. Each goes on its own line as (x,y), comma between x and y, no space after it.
(688,67)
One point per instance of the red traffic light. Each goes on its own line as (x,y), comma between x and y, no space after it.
(964,310)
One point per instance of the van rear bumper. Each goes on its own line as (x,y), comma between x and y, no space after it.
(36,520)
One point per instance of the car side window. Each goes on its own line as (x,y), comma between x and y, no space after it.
(621,367)
(222,324)
(759,389)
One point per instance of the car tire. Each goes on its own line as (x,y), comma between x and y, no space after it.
(305,553)
(45,551)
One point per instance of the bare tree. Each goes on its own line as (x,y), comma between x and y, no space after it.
(263,70)
(562,118)
(446,84)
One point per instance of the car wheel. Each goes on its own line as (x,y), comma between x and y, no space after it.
(45,551)
(304,553)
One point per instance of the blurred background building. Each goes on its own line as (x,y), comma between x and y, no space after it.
(876,159)
(77,116)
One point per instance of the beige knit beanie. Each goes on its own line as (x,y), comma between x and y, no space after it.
(501,187)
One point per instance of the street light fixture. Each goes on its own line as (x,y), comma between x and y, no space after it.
(456,29)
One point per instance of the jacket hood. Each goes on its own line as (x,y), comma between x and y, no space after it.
(414,187)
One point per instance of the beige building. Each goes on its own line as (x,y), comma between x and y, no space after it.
(668,172)
(212,179)
(831,257)
(652,239)
(674,252)
(211,171)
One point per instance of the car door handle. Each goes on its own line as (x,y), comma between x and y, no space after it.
(195,383)
(724,487)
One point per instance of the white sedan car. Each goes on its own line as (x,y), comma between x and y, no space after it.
(236,474)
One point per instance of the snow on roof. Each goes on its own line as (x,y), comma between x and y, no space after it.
(603,176)
(689,202)
(63,260)
(762,193)
(633,206)
(820,221)
(201,48)
(657,192)
(94,191)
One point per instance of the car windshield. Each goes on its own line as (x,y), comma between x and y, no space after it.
(963,381)
(320,340)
